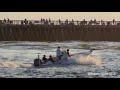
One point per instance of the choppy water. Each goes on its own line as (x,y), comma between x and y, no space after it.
(16,60)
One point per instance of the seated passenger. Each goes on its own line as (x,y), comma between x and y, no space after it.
(51,59)
(44,59)
(68,53)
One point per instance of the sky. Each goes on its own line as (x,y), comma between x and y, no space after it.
(61,15)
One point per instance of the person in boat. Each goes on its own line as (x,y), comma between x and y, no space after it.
(65,55)
(51,59)
(38,62)
(44,59)
(58,53)
(68,53)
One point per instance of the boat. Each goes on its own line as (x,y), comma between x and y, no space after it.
(38,62)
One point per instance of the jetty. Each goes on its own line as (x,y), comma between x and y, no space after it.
(58,30)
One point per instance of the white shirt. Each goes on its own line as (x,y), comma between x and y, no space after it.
(65,55)
(58,52)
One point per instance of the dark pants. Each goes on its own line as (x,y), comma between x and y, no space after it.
(59,57)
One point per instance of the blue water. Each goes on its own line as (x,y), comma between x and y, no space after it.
(16,59)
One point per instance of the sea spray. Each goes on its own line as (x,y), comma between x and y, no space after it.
(88,60)
(11,64)
(84,60)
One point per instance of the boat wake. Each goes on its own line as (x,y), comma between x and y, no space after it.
(89,60)
(11,64)
(82,60)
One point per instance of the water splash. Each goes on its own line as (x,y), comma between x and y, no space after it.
(84,60)
(88,60)
(10,64)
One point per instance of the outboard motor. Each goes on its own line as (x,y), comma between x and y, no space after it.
(37,62)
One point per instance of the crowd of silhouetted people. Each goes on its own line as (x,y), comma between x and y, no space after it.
(44,21)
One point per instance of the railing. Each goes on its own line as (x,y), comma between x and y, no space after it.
(39,22)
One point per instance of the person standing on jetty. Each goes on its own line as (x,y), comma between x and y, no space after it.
(58,53)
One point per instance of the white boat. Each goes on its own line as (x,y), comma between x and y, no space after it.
(64,58)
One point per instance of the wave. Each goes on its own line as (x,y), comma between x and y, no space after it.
(11,64)
(82,60)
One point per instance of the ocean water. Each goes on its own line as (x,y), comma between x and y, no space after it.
(16,60)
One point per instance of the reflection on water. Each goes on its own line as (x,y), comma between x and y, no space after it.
(16,59)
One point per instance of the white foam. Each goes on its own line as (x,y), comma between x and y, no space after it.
(89,60)
(11,64)
(84,60)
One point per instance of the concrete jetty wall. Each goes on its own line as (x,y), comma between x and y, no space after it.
(59,32)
